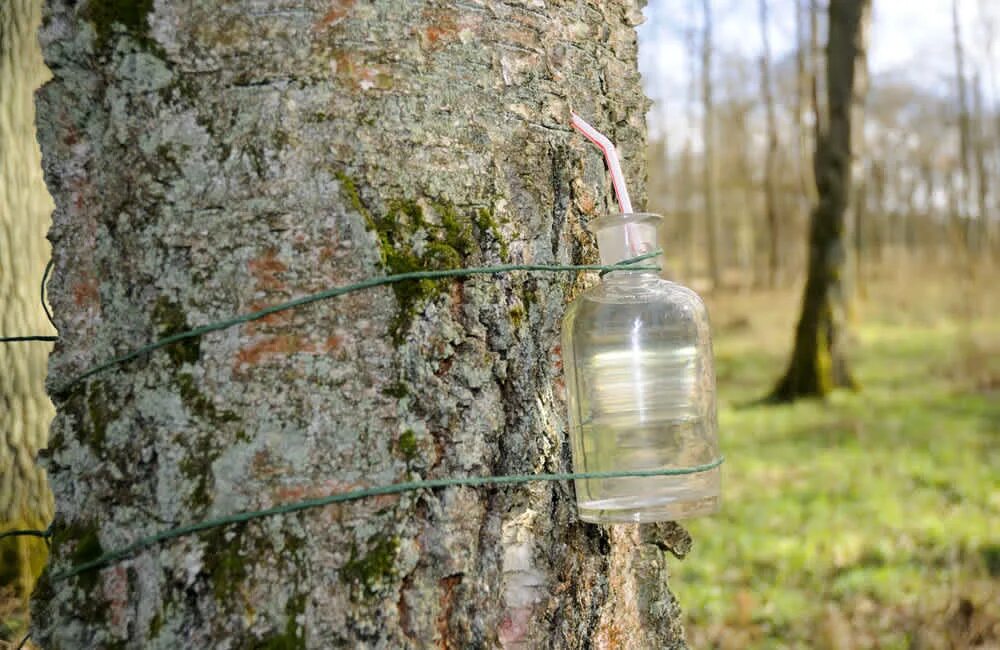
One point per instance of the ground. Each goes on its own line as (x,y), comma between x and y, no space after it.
(869,521)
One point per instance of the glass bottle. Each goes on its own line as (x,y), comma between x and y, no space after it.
(637,354)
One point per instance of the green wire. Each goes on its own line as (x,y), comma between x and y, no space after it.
(117,555)
(364,284)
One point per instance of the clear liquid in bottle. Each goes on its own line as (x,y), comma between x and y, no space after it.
(641,391)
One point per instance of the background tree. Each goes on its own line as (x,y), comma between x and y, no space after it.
(206,161)
(964,183)
(25,410)
(819,360)
(771,157)
(709,164)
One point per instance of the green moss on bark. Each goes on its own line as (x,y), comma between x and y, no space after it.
(487,224)
(408,444)
(170,319)
(197,467)
(86,546)
(397,390)
(409,241)
(155,626)
(373,571)
(200,404)
(224,565)
(100,415)
(132,15)
(293,637)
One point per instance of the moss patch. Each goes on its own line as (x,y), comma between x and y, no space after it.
(170,320)
(408,444)
(409,241)
(132,15)
(100,415)
(371,572)
(86,547)
(445,246)
(197,467)
(155,626)
(200,404)
(202,448)
(225,566)
(487,224)
(293,637)
(397,390)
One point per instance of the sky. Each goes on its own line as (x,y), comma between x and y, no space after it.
(910,39)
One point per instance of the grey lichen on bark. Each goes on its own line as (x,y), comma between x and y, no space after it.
(213,158)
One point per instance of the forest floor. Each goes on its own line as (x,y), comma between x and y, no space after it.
(871,520)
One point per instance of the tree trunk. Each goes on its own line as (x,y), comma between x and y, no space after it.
(802,53)
(687,166)
(709,169)
(982,174)
(862,243)
(25,206)
(962,215)
(819,360)
(209,159)
(771,160)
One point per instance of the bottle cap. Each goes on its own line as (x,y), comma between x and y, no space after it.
(624,236)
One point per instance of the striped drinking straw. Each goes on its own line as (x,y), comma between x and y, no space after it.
(617,177)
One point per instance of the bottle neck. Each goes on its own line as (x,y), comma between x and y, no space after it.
(621,239)
(630,278)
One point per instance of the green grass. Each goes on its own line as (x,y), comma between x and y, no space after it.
(867,520)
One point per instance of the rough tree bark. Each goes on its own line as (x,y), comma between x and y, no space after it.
(210,157)
(25,207)
(819,359)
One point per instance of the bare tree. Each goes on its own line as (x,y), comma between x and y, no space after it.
(979,145)
(963,188)
(207,161)
(687,164)
(710,179)
(819,361)
(802,53)
(771,155)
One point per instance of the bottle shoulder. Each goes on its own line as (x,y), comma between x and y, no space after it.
(641,290)
(659,305)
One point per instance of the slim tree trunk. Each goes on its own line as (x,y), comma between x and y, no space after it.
(862,242)
(819,361)
(709,170)
(816,77)
(883,225)
(25,409)
(802,83)
(962,215)
(771,158)
(982,174)
(207,160)
(687,198)
(687,157)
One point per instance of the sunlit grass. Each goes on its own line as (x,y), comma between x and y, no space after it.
(863,521)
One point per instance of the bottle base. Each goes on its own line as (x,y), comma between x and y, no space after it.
(647,510)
